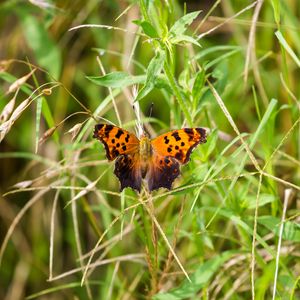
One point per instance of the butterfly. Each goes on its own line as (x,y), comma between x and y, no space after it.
(157,161)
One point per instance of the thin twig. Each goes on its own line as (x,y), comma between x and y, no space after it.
(251,42)
(166,240)
(227,20)
(232,123)
(52,228)
(254,237)
(110,92)
(287,196)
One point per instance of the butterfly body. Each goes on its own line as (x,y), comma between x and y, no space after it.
(157,161)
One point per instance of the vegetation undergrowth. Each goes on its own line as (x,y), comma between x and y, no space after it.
(229,228)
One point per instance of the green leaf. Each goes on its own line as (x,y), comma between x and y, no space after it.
(153,71)
(199,279)
(210,146)
(180,25)
(250,201)
(162,83)
(291,231)
(276,9)
(198,85)
(117,79)
(147,28)
(184,38)
(45,50)
(287,47)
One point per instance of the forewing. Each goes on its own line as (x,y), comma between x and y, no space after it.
(128,170)
(116,140)
(179,143)
(162,172)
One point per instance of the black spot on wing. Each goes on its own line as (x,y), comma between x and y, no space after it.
(166,140)
(202,139)
(127,138)
(169,149)
(189,132)
(119,133)
(96,129)
(115,153)
(107,129)
(176,136)
(179,156)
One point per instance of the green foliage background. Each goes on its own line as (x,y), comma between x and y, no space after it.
(229,229)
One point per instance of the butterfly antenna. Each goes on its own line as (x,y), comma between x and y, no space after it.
(151,110)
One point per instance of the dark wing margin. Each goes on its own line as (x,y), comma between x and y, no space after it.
(127,169)
(201,140)
(162,173)
(116,140)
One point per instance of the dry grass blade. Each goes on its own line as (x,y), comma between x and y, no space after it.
(20,108)
(74,130)
(4,64)
(90,187)
(254,237)
(17,219)
(23,184)
(47,134)
(6,126)
(8,108)
(43,4)
(19,82)
(51,246)
(232,123)
(89,263)
(200,36)
(135,257)
(251,43)
(4,129)
(153,218)
(287,195)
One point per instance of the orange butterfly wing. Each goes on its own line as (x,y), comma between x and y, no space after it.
(116,140)
(123,146)
(169,151)
(179,143)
